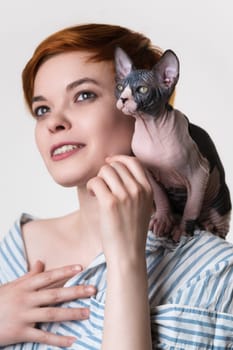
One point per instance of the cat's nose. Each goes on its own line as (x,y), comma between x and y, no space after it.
(124,99)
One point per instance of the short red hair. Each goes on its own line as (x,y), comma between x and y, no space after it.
(99,39)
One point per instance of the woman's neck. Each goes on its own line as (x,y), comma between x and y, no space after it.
(87,218)
(88,209)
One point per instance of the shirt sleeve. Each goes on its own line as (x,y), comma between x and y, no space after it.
(13,263)
(200,313)
(182,327)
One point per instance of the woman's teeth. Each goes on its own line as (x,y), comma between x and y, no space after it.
(64,149)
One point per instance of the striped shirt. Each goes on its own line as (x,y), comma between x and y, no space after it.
(190,292)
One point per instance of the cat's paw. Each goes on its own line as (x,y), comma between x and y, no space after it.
(161,224)
(177,232)
(185,228)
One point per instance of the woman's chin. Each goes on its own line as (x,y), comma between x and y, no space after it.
(72,181)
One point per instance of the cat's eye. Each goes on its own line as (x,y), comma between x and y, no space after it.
(143,89)
(119,87)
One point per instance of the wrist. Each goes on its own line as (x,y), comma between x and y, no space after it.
(127,266)
(129,256)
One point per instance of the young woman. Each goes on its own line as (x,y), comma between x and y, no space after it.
(149,293)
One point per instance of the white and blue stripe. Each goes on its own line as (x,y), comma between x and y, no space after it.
(190,292)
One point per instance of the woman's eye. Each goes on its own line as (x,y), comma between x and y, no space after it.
(40,111)
(84,95)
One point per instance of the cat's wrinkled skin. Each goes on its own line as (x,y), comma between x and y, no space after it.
(185,170)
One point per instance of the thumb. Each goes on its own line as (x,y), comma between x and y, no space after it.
(37,267)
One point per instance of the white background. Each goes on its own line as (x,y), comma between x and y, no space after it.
(199,31)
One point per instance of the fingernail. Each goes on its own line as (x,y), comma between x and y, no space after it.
(71,341)
(85,313)
(77,268)
(90,289)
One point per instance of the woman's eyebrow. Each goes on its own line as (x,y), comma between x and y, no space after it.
(80,82)
(69,87)
(38,99)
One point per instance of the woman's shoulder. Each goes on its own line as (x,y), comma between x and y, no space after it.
(40,235)
(37,227)
(25,228)
(33,228)
(30,239)
(43,237)
(13,261)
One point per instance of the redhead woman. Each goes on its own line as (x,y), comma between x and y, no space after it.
(97,278)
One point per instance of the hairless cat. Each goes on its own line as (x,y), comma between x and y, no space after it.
(184,168)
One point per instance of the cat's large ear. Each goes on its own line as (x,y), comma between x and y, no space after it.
(123,64)
(167,70)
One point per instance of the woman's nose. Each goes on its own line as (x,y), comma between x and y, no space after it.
(58,122)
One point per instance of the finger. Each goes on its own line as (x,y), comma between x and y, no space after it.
(137,184)
(114,181)
(130,182)
(134,166)
(59,295)
(98,187)
(37,268)
(45,279)
(58,284)
(57,314)
(39,336)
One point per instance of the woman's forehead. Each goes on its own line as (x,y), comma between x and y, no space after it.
(75,59)
(73,65)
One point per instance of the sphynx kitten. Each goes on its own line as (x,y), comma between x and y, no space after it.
(183,165)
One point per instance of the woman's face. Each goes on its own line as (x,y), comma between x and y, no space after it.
(77,122)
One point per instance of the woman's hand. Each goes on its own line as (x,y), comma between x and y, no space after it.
(29,299)
(125,201)
(125,204)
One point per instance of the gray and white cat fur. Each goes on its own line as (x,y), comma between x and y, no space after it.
(184,168)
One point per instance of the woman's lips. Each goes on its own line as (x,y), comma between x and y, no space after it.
(64,150)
